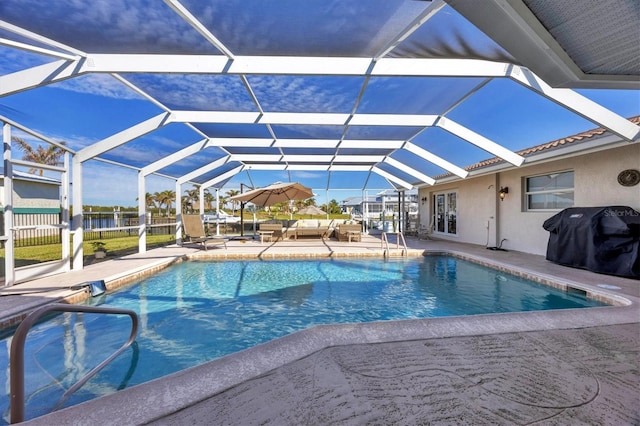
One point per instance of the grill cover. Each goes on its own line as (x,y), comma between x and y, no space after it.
(600,239)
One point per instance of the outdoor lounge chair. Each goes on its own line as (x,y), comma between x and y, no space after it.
(194,230)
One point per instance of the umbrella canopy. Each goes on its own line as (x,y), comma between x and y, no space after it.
(275,193)
(311,210)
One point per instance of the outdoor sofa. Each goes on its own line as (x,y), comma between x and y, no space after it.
(313,228)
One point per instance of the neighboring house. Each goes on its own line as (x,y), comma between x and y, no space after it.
(36,201)
(387,200)
(577,171)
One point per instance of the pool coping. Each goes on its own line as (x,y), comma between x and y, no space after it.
(153,400)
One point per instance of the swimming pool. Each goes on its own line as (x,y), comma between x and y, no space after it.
(198,311)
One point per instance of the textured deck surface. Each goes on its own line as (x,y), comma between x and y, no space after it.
(587,376)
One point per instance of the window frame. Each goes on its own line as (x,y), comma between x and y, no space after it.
(526,193)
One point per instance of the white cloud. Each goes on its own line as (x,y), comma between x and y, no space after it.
(100,85)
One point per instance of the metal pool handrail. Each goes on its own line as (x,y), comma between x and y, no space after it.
(384,243)
(17,352)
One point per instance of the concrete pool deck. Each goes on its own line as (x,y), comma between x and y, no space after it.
(553,367)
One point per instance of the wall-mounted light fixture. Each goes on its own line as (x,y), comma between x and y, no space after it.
(424,200)
(503,192)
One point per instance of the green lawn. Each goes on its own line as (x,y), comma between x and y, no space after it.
(115,247)
(121,246)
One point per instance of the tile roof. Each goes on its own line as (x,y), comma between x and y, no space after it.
(574,139)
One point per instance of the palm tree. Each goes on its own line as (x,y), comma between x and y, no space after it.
(231,193)
(223,202)
(208,199)
(49,156)
(187,205)
(165,198)
(192,197)
(149,200)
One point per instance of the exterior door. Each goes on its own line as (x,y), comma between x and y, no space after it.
(446,213)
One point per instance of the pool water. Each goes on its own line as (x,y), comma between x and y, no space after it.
(195,312)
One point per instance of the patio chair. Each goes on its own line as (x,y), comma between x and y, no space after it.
(350,232)
(194,230)
(425,231)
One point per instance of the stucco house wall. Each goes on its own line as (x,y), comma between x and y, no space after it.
(34,194)
(484,219)
(36,201)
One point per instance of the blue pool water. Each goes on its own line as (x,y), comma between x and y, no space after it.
(194,312)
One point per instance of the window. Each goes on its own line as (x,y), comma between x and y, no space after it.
(553,191)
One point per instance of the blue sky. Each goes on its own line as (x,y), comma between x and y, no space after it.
(87,109)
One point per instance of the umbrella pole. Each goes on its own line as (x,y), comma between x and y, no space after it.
(241,212)
(242,219)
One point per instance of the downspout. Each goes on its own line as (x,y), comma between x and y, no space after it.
(496,213)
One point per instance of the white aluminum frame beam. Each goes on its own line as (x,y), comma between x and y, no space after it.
(306,143)
(258,158)
(480,141)
(429,12)
(308,167)
(259,166)
(413,172)
(391,177)
(577,103)
(224,176)
(40,39)
(202,170)
(175,157)
(371,144)
(37,50)
(358,158)
(7,202)
(438,161)
(290,65)
(122,137)
(248,65)
(308,158)
(349,168)
(241,142)
(197,25)
(142,211)
(275,118)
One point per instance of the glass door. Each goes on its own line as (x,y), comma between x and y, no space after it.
(440,216)
(446,213)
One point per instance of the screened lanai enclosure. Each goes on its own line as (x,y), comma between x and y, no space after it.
(337,95)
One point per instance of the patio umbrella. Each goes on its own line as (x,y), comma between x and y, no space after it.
(275,193)
(311,210)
